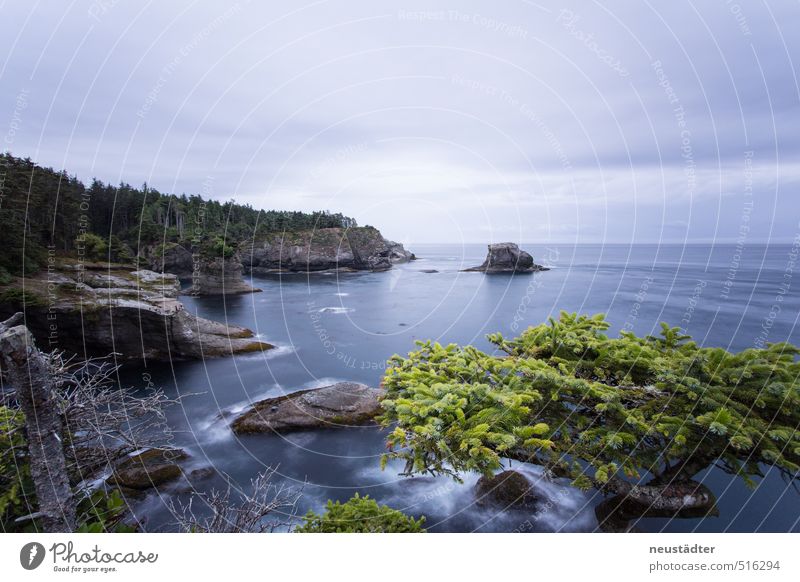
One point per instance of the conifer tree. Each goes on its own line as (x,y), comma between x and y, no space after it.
(630,415)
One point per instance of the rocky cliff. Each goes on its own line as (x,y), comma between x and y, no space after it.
(208,275)
(354,249)
(219,276)
(98,310)
(170,258)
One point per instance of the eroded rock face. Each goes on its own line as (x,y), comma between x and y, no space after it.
(338,405)
(398,253)
(507,258)
(133,313)
(509,489)
(354,249)
(219,276)
(171,258)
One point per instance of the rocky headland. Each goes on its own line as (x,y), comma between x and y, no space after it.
(507,258)
(325,249)
(308,251)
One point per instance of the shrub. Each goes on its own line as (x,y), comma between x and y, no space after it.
(18,298)
(92,246)
(360,515)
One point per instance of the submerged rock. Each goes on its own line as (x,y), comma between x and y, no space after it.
(507,258)
(681,499)
(342,404)
(509,489)
(325,249)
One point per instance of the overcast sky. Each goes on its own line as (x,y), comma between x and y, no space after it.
(438,121)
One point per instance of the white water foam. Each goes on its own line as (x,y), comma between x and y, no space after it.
(336,310)
(562,507)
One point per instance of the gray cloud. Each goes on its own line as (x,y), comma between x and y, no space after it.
(433,120)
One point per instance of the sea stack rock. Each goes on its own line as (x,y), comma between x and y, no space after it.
(507,258)
(219,276)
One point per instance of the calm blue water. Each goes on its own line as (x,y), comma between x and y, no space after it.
(343,327)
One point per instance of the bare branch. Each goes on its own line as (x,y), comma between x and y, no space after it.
(267,508)
(103,422)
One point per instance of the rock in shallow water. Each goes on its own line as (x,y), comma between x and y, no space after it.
(149,469)
(509,489)
(338,405)
(507,258)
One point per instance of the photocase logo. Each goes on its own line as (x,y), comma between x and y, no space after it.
(31,555)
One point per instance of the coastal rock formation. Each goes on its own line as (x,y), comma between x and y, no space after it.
(170,258)
(342,404)
(398,253)
(94,310)
(325,249)
(208,275)
(219,276)
(509,489)
(507,258)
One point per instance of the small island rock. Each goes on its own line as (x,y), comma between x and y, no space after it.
(342,404)
(507,258)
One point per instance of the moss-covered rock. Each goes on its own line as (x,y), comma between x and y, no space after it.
(509,489)
(338,405)
(147,470)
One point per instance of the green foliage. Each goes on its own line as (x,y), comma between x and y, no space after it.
(42,208)
(102,512)
(120,252)
(360,515)
(98,512)
(15,479)
(5,276)
(591,408)
(91,246)
(19,298)
(219,248)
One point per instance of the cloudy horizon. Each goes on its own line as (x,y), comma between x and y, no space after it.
(436,121)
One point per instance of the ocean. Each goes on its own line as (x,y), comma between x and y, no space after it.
(344,326)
